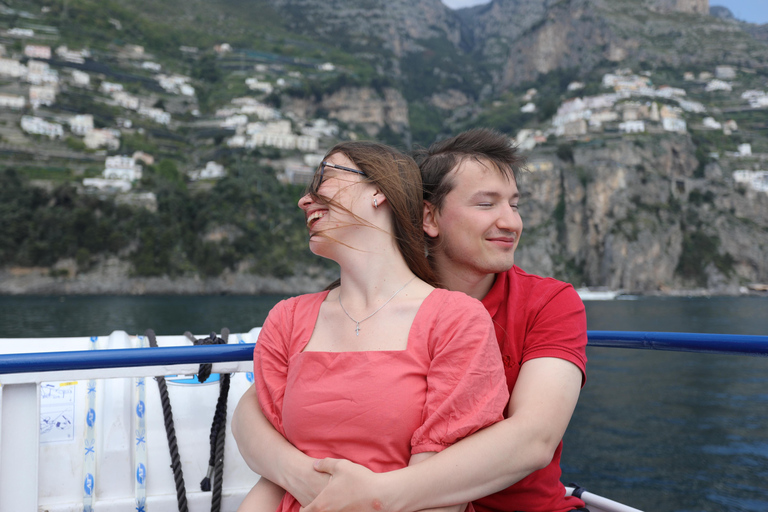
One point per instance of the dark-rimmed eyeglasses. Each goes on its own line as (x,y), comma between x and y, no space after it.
(317,180)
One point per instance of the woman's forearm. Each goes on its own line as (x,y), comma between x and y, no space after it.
(263,497)
(269,454)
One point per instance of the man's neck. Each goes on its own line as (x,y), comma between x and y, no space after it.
(474,285)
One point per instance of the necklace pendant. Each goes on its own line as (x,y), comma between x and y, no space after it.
(357,329)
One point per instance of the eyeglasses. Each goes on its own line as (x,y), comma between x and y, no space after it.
(317,180)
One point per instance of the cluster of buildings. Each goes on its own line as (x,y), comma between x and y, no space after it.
(128,101)
(119,174)
(634,106)
(269,130)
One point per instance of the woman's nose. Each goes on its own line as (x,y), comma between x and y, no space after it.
(305,201)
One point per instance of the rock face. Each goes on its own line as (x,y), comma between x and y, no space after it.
(361,106)
(572,34)
(398,24)
(692,6)
(633,215)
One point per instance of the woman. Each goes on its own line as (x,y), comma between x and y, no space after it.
(384,369)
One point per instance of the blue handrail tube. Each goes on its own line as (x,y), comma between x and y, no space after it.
(742,344)
(197,354)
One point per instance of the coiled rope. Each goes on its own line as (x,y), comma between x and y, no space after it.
(170,433)
(218,425)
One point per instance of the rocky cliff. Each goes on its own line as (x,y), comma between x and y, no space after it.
(356,106)
(636,214)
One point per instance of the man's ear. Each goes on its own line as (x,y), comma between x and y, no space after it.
(430,225)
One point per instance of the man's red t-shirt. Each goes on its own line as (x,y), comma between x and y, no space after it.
(535,317)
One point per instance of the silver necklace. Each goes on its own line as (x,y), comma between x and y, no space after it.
(358,322)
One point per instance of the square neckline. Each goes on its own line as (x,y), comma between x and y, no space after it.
(316,312)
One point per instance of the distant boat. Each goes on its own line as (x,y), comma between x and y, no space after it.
(587,294)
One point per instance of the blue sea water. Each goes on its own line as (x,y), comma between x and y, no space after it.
(661,431)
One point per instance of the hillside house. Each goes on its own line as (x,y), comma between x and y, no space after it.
(102,138)
(42,95)
(74,56)
(12,101)
(632,127)
(744,149)
(297,175)
(39,126)
(81,124)
(81,78)
(730,126)
(122,167)
(211,171)
(126,100)
(110,87)
(34,51)
(575,86)
(176,84)
(725,72)
(12,68)
(235,121)
(758,180)
(20,32)
(106,185)
(674,124)
(39,73)
(711,124)
(524,140)
(718,85)
(756,99)
(320,128)
(158,115)
(255,84)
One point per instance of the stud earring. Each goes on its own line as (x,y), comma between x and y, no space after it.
(375,203)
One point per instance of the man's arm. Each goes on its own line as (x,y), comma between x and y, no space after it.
(269,454)
(541,405)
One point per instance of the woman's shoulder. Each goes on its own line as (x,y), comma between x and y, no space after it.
(298,304)
(444,297)
(451,307)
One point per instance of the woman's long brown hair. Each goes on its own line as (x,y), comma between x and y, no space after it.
(399,179)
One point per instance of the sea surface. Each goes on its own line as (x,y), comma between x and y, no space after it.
(661,431)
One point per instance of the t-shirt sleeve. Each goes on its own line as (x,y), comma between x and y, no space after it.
(466,388)
(559,329)
(270,361)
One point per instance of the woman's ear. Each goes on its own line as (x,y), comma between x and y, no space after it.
(378,199)
(430,225)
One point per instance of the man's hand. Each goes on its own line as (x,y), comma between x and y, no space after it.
(352,488)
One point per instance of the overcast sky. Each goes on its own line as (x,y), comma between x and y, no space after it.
(754,11)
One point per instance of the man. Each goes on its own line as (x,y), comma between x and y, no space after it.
(471,218)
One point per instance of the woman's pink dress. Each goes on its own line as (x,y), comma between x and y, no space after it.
(377,408)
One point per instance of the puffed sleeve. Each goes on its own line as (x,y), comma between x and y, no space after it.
(270,361)
(466,387)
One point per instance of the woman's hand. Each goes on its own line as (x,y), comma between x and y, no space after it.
(352,488)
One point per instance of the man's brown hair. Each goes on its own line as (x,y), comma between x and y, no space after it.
(481,144)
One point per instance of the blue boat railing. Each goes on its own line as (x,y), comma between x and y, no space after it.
(753,345)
